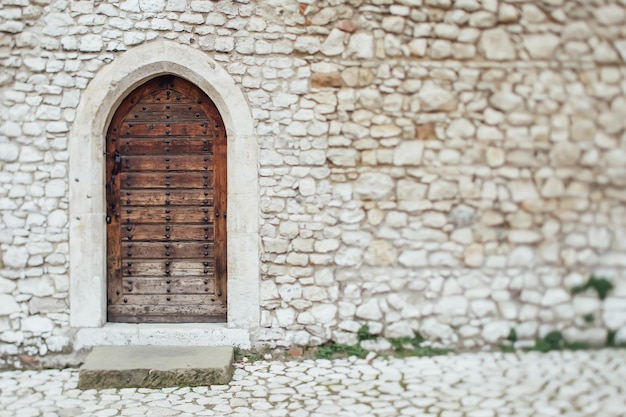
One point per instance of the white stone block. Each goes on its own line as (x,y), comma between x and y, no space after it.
(417,47)
(565,154)
(455,305)
(15,257)
(374,186)
(369,310)
(506,101)
(268,290)
(152,6)
(55,188)
(489,133)
(541,46)
(134,38)
(343,156)
(9,152)
(496,331)
(224,44)
(90,43)
(522,190)
(381,253)
(313,157)
(442,190)
(434,98)
(496,45)
(482,19)
(307,44)
(37,325)
(334,43)
(413,258)
(57,127)
(58,343)
(522,256)
(326,245)
(609,15)
(349,256)
(483,308)
(8,305)
(524,236)
(289,292)
(324,313)
(554,296)
(285,316)
(614,314)
(408,153)
(361,46)
(433,329)
(474,256)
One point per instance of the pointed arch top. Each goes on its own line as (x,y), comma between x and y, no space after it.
(136,66)
(87,203)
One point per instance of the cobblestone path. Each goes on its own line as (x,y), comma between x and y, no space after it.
(583,383)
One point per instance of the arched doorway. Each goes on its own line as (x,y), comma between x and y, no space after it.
(166,206)
(88,207)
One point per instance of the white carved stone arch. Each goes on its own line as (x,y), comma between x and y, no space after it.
(87,199)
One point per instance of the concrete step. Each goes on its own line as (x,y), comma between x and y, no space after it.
(156,367)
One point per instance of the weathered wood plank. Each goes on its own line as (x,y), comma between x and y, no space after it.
(165,268)
(168,163)
(199,128)
(156,197)
(161,106)
(197,215)
(165,300)
(181,116)
(156,286)
(211,316)
(181,313)
(159,180)
(167,232)
(169,250)
(166,145)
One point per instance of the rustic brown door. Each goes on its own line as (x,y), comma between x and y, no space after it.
(166,206)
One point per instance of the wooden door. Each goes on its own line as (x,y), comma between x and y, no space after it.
(166,206)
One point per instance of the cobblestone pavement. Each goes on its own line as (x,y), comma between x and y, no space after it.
(583,383)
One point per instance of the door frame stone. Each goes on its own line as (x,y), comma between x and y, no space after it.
(87,204)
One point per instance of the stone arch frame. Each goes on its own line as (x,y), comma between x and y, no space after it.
(87,209)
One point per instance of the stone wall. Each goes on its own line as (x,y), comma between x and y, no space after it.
(441,166)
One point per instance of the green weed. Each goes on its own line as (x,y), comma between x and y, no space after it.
(601,285)
(331,350)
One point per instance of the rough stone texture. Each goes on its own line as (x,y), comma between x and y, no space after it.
(156,367)
(479,147)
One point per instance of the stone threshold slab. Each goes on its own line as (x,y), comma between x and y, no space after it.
(156,367)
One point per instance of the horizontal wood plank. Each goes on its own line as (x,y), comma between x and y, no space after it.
(174,107)
(173,250)
(167,232)
(182,313)
(157,197)
(172,300)
(163,286)
(213,316)
(187,180)
(166,145)
(204,268)
(167,163)
(197,215)
(199,128)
